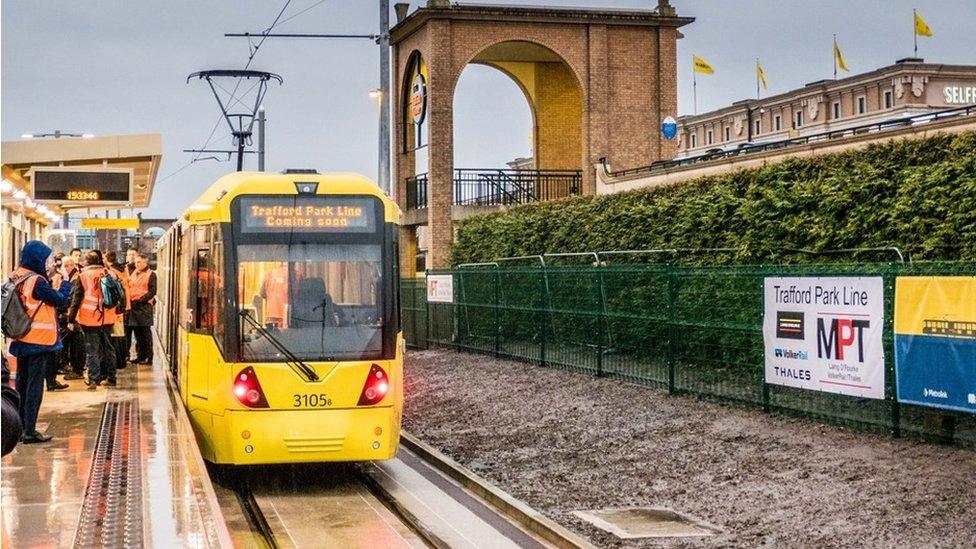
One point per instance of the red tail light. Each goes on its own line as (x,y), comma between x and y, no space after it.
(248,390)
(376,387)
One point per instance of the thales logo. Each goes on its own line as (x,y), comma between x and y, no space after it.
(935,394)
(790,353)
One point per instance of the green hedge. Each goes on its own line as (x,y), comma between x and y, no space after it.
(919,195)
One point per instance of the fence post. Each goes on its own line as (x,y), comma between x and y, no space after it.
(426,314)
(889,337)
(765,386)
(765,394)
(672,333)
(600,319)
(543,295)
(498,327)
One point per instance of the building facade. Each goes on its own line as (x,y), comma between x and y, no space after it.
(907,88)
(594,80)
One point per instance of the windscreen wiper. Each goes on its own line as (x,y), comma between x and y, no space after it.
(277,344)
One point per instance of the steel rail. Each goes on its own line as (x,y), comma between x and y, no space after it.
(498,500)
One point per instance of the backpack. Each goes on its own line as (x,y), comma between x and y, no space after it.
(16,323)
(113,294)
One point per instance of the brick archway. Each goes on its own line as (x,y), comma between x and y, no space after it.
(599,83)
(554,92)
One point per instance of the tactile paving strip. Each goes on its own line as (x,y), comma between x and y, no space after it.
(111,515)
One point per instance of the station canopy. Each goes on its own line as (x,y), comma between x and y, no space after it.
(98,172)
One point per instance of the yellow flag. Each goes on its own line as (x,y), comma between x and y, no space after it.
(921,27)
(761,75)
(839,57)
(702,66)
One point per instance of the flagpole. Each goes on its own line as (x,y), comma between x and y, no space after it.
(694,84)
(915,30)
(834,55)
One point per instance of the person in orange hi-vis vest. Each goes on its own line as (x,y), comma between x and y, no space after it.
(128,269)
(142,288)
(88,311)
(118,327)
(41,293)
(74,341)
(274,290)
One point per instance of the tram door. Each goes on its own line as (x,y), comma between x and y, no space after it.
(201,314)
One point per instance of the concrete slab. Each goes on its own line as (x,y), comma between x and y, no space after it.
(646,522)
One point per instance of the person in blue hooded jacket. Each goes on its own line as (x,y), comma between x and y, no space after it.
(32,358)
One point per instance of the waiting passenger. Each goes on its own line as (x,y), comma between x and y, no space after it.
(33,351)
(142,288)
(88,310)
(73,354)
(57,360)
(128,269)
(118,327)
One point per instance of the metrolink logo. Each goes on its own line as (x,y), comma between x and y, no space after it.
(843,333)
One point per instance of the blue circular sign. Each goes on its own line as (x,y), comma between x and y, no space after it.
(669,128)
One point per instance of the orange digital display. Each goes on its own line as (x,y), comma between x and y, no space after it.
(308,213)
(82,195)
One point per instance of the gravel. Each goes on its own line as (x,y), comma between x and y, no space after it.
(562,442)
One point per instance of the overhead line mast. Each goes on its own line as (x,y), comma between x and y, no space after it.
(383,40)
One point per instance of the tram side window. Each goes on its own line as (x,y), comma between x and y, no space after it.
(187,311)
(200,314)
(217,297)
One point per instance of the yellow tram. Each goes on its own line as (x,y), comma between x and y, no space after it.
(278,312)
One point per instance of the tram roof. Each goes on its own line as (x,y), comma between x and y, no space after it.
(214,204)
(141,153)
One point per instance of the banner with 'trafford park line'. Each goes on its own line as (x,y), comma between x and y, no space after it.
(825,334)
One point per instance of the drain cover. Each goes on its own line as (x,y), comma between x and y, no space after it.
(646,522)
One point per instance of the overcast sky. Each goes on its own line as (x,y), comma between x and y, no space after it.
(120,67)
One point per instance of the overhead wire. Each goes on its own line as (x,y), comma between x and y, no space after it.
(233,95)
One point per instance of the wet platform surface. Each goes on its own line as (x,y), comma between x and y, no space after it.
(44,485)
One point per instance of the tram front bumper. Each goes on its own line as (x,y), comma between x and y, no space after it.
(295,436)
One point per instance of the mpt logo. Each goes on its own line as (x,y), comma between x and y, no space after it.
(843,333)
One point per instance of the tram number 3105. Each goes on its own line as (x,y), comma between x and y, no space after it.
(311,401)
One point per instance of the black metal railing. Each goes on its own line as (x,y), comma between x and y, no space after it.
(417,192)
(487,187)
(748,148)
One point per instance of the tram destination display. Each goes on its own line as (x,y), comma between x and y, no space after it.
(825,334)
(335,214)
(73,186)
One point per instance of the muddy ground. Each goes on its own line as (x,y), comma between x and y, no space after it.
(563,442)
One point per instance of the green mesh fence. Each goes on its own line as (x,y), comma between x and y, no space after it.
(413,311)
(693,330)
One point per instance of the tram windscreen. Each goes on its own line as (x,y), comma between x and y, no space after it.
(321,301)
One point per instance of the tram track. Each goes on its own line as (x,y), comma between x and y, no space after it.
(420,499)
(254,516)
